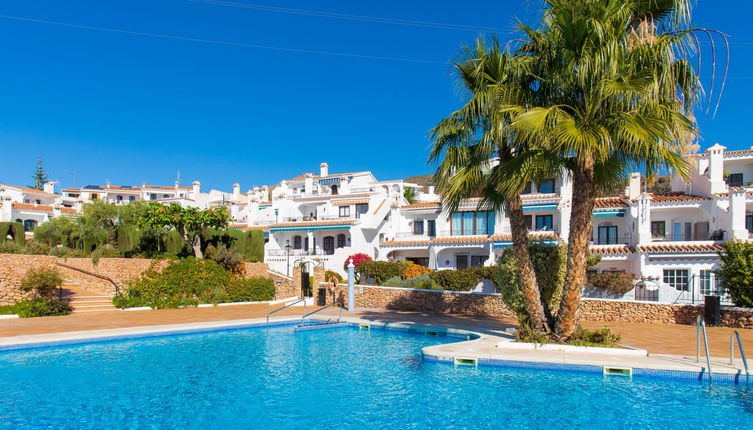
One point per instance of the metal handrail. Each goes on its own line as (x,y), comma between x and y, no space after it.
(339,315)
(740,347)
(700,327)
(287,306)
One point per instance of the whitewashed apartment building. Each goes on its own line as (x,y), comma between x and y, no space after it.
(31,206)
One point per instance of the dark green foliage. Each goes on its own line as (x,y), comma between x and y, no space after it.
(329,274)
(42,281)
(581,337)
(226,257)
(457,280)
(736,272)
(13,229)
(615,282)
(40,175)
(380,271)
(191,281)
(41,307)
(549,263)
(253,289)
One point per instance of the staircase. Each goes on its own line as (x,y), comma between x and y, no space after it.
(82,300)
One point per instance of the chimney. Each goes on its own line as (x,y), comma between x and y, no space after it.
(431,189)
(49,187)
(716,169)
(236,192)
(308,183)
(107,184)
(196,188)
(323,169)
(634,186)
(177,185)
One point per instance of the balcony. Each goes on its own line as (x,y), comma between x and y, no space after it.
(300,252)
(620,239)
(410,235)
(717,235)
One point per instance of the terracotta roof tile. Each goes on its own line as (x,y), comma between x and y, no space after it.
(537,196)
(350,202)
(30,207)
(422,205)
(540,235)
(680,247)
(460,239)
(612,249)
(674,197)
(66,210)
(256,227)
(334,196)
(609,202)
(406,242)
(28,190)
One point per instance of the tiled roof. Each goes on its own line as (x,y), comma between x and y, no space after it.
(30,207)
(538,196)
(467,239)
(680,247)
(422,205)
(350,202)
(240,225)
(406,242)
(332,196)
(302,176)
(609,202)
(28,190)
(461,239)
(612,249)
(674,197)
(313,223)
(540,235)
(256,227)
(66,210)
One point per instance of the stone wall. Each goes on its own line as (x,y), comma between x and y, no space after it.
(285,287)
(13,269)
(404,299)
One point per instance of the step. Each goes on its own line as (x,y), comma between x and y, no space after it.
(75,302)
(76,311)
(92,306)
(74,297)
(320,326)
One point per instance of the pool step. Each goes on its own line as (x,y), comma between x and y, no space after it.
(87,301)
(320,325)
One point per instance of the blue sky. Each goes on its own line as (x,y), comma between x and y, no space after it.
(132,108)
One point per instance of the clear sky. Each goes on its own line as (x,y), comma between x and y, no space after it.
(134,108)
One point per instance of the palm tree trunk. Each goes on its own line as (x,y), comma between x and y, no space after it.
(519,230)
(581,222)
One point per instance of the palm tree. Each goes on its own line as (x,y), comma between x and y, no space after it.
(473,151)
(610,90)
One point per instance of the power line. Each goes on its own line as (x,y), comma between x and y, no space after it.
(351,17)
(219,42)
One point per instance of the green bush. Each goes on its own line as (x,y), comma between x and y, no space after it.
(598,337)
(253,289)
(380,271)
(9,247)
(549,263)
(456,280)
(13,229)
(105,251)
(42,281)
(329,274)
(226,257)
(41,307)
(736,272)
(65,252)
(420,282)
(614,282)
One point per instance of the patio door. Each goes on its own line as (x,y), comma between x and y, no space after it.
(607,235)
(329,245)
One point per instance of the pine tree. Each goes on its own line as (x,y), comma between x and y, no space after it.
(40,176)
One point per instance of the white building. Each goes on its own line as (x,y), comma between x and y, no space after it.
(30,206)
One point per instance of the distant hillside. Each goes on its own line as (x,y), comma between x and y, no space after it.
(424,180)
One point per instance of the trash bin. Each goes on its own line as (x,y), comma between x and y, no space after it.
(712,310)
(321,297)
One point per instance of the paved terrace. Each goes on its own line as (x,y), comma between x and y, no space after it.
(655,338)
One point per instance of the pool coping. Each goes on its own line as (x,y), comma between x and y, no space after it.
(476,347)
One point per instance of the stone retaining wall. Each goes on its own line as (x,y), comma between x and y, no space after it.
(404,299)
(285,287)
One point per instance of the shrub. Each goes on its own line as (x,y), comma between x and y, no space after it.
(380,271)
(230,259)
(253,289)
(415,270)
(549,263)
(65,252)
(736,272)
(615,282)
(105,251)
(42,281)
(598,337)
(421,282)
(9,247)
(357,260)
(456,280)
(329,274)
(36,248)
(41,307)
(394,281)
(12,231)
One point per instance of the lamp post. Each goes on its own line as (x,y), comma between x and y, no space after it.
(287,249)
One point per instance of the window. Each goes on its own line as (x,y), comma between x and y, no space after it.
(131,198)
(658,229)
(607,235)
(749,222)
(529,221)
(461,262)
(735,180)
(297,242)
(708,283)
(478,260)
(344,211)
(676,278)
(361,208)
(431,227)
(544,222)
(94,196)
(329,245)
(27,201)
(418,227)
(472,223)
(306,244)
(30,225)
(546,187)
(152,196)
(526,189)
(341,241)
(39,202)
(19,220)
(334,189)
(119,198)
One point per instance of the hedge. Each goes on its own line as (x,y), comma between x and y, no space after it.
(13,229)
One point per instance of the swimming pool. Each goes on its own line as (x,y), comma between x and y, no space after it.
(337,378)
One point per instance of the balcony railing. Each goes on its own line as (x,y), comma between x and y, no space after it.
(410,234)
(314,218)
(684,237)
(623,239)
(300,252)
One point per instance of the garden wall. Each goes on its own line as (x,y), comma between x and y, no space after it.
(491,304)
(285,287)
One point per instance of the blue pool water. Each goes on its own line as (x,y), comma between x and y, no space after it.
(338,378)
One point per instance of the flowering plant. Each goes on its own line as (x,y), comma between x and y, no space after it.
(357,259)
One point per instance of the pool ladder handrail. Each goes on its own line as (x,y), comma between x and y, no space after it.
(339,314)
(287,306)
(732,336)
(700,327)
